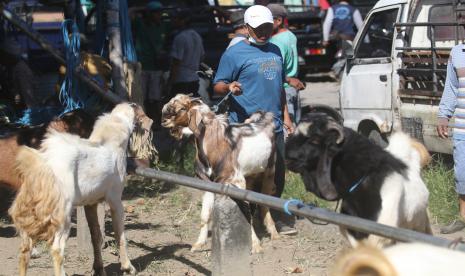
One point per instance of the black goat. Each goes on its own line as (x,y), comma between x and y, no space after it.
(376,184)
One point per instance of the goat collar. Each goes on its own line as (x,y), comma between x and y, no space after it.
(356,184)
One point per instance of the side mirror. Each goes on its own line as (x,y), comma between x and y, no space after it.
(347,48)
(349,63)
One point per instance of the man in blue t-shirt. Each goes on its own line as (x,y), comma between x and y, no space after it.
(253,71)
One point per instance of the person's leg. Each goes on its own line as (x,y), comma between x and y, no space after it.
(293,104)
(280,169)
(284,223)
(459,170)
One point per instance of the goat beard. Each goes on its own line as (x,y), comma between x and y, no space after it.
(140,143)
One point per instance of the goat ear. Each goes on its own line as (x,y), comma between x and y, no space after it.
(324,183)
(195,118)
(336,130)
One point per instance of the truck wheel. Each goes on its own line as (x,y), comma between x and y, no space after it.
(376,137)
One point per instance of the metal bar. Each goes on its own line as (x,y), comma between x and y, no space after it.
(34,35)
(426,24)
(423,48)
(433,54)
(351,222)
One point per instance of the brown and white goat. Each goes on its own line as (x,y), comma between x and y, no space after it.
(233,154)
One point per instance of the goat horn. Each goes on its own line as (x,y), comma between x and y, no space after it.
(332,125)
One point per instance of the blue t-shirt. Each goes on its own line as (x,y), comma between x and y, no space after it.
(259,69)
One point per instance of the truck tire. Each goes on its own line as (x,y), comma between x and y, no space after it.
(376,137)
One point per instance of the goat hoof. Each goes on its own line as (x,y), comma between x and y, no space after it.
(197,247)
(99,272)
(256,249)
(131,270)
(275,236)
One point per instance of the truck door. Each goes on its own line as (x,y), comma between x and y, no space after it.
(365,93)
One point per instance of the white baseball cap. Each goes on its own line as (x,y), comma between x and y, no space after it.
(257,15)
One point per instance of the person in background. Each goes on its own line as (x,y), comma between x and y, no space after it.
(451,105)
(287,43)
(252,70)
(150,34)
(19,79)
(186,54)
(340,22)
(240,30)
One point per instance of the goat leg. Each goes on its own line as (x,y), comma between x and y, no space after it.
(24,254)
(58,249)
(117,219)
(269,188)
(96,237)
(205,216)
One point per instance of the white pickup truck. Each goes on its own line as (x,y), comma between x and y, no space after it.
(395,73)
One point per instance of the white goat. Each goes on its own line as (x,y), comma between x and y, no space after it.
(71,171)
(405,259)
(236,154)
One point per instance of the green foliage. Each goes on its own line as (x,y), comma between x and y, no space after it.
(439,177)
(295,188)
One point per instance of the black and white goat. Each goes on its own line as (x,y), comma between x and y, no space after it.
(242,155)
(376,184)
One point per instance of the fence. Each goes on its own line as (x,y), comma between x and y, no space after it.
(222,264)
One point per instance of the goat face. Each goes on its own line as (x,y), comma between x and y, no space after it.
(310,152)
(180,113)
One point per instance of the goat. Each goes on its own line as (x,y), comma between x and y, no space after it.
(403,259)
(76,122)
(376,184)
(71,171)
(234,154)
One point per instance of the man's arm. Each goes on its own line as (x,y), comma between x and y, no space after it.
(358,21)
(448,99)
(327,26)
(287,122)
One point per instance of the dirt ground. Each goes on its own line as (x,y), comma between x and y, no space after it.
(162,223)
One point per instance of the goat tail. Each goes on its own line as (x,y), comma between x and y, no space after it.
(363,260)
(409,150)
(38,209)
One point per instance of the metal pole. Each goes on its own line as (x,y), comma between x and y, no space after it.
(433,56)
(351,222)
(80,74)
(116,54)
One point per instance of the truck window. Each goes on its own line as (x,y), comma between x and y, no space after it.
(443,13)
(376,41)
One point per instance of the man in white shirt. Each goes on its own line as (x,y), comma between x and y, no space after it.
(340,22)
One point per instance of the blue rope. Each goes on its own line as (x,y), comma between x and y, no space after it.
(126,35)
(69,88)
(357,184)
(297,202)
(39,115)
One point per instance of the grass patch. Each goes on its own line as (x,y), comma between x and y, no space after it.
(295,188)
(439,178)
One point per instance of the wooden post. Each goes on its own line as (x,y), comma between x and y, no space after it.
(116,53)
(231,239)
(83,234)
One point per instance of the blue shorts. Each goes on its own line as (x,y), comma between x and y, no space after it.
(459,166)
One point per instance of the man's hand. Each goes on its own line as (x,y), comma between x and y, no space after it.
(235,88)
(288,126)
(296,83)
(442,127)
(325,43)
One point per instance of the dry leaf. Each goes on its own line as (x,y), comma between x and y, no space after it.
(130,209)
(140,201)
(291,270)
